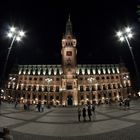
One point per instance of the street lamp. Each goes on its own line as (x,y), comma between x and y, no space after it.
(90,80)
(125,35)
(15,35)
(48,80)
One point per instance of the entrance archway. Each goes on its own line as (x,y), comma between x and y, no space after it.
(70,100)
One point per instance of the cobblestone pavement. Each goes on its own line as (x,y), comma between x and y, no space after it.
(109,123)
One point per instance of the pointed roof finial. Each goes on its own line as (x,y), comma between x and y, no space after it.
(69,17)
(69,26)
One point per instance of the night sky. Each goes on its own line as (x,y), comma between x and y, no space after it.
(94,26)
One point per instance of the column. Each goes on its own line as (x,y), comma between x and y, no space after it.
(90,95)
(64,99)
(42,97)
(96,97)
(85,96)
(54,97)
(25,96)
(75,98)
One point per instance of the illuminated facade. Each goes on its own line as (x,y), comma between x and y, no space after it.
(69,83)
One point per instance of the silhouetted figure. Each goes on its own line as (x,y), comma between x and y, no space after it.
(79,114)
(16,103)
(39,106)
(28,105)
(84,114)
(25,106)
(42,107)
(89,113)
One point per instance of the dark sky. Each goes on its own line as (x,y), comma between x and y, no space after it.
(94,26)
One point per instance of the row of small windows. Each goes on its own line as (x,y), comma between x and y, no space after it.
(51,99)
(102,87)
(58,79)
(79,71)
(87,71)
(34,96)
(40,71)
(57,88)
(99,96)
(36,79)
(100,78)
(35,88)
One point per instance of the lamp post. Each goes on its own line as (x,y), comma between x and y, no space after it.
(48,80)
(15,35)
(125,35)
(90,81)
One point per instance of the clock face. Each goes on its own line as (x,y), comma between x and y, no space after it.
(69,53)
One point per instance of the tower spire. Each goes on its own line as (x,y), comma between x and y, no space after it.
(68,27)
(69,18)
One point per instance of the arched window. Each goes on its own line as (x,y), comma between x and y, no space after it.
(57,88)
(40,89)
(51,88)
(28,97)
(29,88)
(110,95)
(81,88)
(87,88)
(39,97)
(80,71)
(52,72)
(104,87)
(82,97)
(57,97)
(34,96)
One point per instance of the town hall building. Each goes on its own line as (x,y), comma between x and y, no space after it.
(69,83)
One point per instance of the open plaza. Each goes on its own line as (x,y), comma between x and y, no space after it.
(61,123)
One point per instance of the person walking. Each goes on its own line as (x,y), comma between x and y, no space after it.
(84,114)
(93,110)
(89,113)
(79,114)
(39,106)
(16,103)
(42,107)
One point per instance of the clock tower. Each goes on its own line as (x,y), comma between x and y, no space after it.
(69,52)
(69,66)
